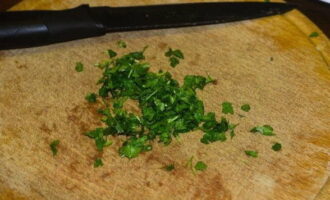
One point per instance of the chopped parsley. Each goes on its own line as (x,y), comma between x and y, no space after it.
(176,53)
(167,108)
(264,130)
(245,107)
(232,130)
(169,167)
(53,147)
(277,146)
(121,44)
(214,131)
(174,61)
(174,56)
(79,67)
(91,97)
(227,108)
(98,163)
(200,166)
(111,53)
(100,139)
(134,146)
(190,162)
(253,154)
(314,34)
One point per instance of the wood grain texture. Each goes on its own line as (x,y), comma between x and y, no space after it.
(324,193)
(42,99)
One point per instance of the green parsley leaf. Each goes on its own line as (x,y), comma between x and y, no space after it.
(266,130)
(277,146)
(121,44)
(53,147)
(246,107)
(112,53)
(227,108)
(103,64)
(174,61)
(232,130)
(200,166)
(98,132)
(98,163)
(134,146)
(194,82)
(100,143)
(214,131)
(99,136)
(91,97)
(169,167)
(189,162)
(253,154)
(169,53)
(174,56)
(314,34)
(178,53)
(79,67)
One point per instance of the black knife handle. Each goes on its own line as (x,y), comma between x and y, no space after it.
(21,29)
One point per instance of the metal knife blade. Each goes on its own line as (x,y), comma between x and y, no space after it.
(21,29)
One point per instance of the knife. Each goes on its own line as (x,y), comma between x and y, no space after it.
(22,29)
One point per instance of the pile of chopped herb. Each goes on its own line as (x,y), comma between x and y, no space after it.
(168,108)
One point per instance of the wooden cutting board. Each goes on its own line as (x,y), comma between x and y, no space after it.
(270,63)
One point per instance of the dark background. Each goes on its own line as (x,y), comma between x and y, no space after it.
(315,10)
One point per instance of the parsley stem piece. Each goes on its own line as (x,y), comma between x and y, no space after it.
(232,129)
(266,130)
(190,161)
(53,147)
